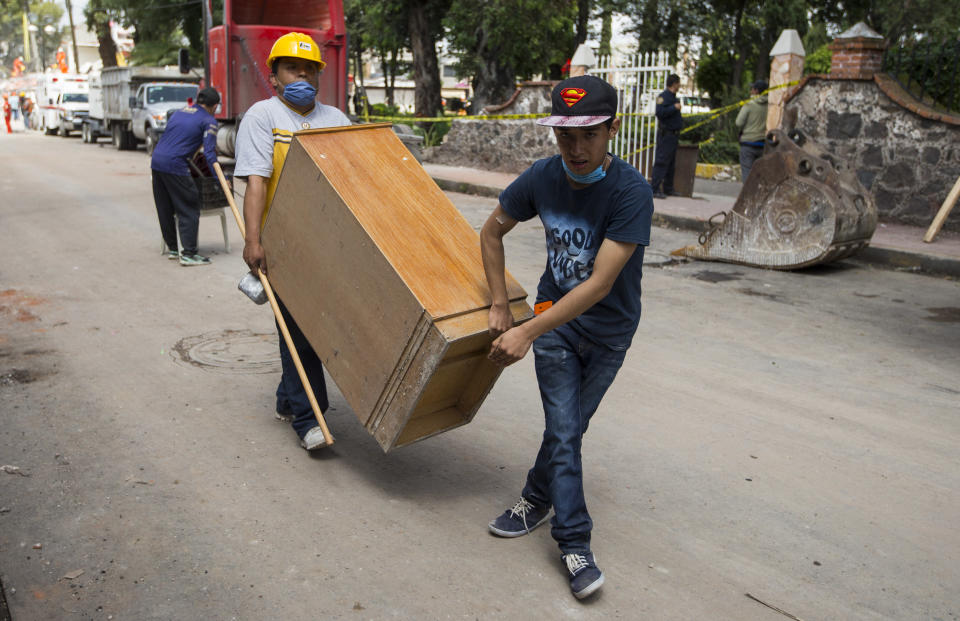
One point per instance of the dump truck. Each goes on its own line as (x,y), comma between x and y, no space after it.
(133,104)
(800,206)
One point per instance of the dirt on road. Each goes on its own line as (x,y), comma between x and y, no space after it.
(788,435)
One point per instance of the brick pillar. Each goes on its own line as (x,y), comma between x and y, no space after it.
(786,66)
(857,53)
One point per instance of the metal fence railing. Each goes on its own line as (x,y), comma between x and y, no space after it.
(639,79)
(929,70)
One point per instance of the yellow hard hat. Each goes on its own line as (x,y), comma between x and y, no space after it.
(295,45)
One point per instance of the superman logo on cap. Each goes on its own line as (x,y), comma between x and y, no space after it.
(572,95)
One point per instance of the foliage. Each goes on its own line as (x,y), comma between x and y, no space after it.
(497,41)
(384,109)
(720,152)
(924,68)
(41,15)
(161,27)
(818,61)
(379,26)
(899,21)
(433,133)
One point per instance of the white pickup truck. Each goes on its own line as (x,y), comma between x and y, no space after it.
(132,104)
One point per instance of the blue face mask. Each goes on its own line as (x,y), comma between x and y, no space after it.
(587,179)
(301,94)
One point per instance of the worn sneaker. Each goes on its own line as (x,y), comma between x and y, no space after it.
(193,259)
(585,577)
(284,415)
(659,195)
(171,254)
(520,520)
(313,439)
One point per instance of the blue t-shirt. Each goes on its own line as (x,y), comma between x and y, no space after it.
(187,130)
(618,207)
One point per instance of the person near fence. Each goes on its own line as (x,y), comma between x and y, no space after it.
(174,191)
(752,126)
(596,210)
(263,140)
(670,122)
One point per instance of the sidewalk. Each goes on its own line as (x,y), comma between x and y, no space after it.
(894,246)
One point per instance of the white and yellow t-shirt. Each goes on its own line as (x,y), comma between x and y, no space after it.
(265,134)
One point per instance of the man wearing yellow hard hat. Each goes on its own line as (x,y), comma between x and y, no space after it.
(263,140)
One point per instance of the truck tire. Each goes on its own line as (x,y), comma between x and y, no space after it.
(151,141)
(129,140)
(62,130)
(115,137)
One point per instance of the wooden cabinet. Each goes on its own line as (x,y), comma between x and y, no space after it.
(384,277)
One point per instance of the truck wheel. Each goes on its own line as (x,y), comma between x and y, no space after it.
(129,140)
(116,137)
(62,130)
(151,141)
(85,133)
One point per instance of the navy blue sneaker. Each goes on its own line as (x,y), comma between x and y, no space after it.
(585,577)
(520,520)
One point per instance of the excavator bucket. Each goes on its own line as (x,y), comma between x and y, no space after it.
(799,207)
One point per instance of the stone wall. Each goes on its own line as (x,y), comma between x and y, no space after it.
(502,145)
(907,156)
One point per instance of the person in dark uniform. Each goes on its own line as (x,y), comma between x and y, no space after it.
(668,135)
(174,190)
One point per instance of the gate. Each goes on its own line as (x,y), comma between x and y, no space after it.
(638,81)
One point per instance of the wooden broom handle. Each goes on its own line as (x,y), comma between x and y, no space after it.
(276,312)
(941,217)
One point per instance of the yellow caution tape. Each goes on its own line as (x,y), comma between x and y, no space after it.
(715,114)
(712,115)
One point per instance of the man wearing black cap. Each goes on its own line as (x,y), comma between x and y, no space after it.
(668,136)
(174,191)
(596,211)
(752,124)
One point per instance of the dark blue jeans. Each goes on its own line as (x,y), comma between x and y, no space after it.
(177,194)
(290,393)
(573,373)
(664,161)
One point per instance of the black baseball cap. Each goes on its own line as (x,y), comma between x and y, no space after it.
(759,86)
(208,96)
(581,102)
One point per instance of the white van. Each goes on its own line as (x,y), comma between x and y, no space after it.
(63,102)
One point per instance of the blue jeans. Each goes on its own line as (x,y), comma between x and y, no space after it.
(573,373)
(290,393)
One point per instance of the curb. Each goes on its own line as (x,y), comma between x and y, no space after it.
(879,256)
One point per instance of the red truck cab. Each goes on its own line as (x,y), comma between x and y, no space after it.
(238,47)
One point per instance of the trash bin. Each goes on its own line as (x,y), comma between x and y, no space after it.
(685,169)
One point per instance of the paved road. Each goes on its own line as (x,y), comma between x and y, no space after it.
(789,435)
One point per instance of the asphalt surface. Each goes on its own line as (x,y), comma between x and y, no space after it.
(792,436)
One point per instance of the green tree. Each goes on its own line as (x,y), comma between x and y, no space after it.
(41,15)
(161,28)
(425,25)
(498,41)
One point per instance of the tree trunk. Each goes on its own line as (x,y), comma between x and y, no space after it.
(107,49)
(583,16)
(738,48)
(494,82)
(606,31)
(426,72)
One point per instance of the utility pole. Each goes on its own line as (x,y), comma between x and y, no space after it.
(26,33)
(73,38)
